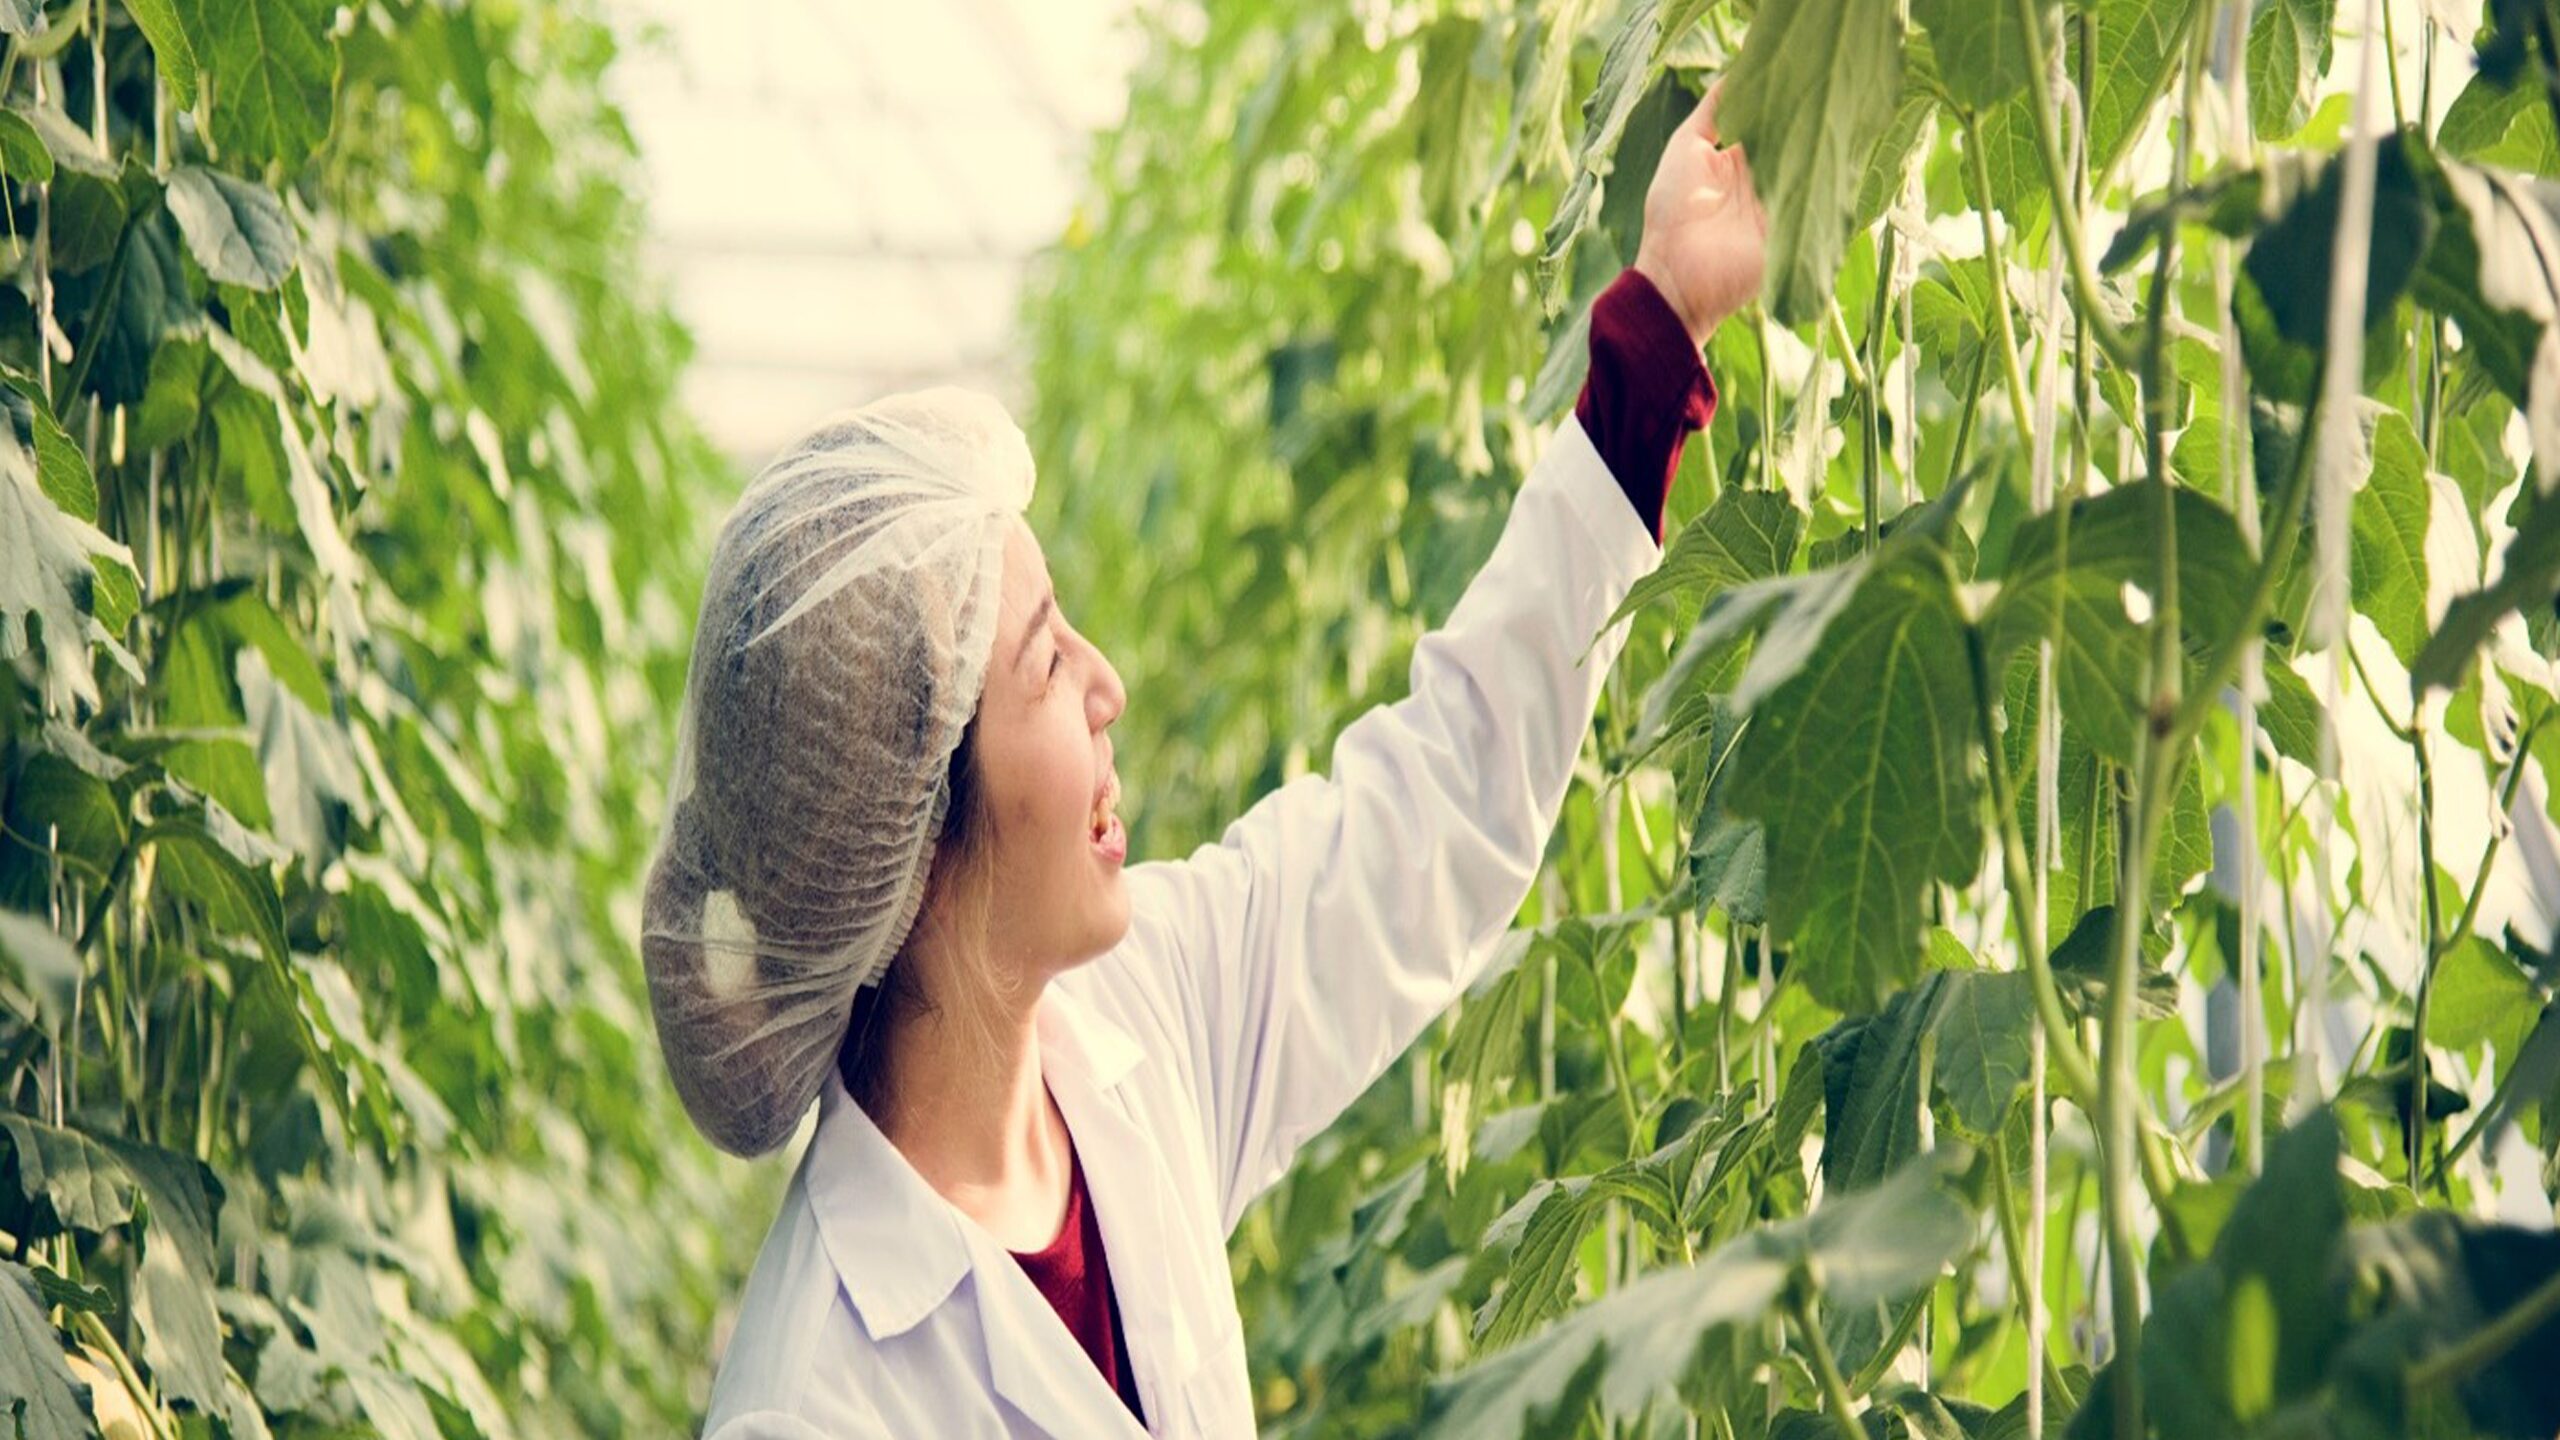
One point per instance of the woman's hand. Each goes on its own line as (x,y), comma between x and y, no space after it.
(1704,230)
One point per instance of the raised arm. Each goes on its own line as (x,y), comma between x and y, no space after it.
(1289,963)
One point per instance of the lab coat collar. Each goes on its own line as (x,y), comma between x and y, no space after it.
(898,1246)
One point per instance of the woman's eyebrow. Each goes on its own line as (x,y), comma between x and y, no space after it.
(1030,630)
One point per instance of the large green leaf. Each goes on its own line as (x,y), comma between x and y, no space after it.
(1810,96)
(1860,768)
(272,67)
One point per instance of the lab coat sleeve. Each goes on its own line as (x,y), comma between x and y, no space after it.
(1296,957)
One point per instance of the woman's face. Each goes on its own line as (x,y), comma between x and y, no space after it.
(1044,758)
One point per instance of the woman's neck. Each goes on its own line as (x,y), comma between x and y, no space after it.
(970,1111)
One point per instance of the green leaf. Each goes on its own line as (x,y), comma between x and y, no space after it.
(2293,257)
(50,578)
(1696,1330)
(2528,576)
(2480,991)
(35,1381)
(2073,587)
(2503,125)
(237,229)
(202,858)
(1860,768)
(1625,71)
(1985,1028)
(1745,535)
(1871,1088)
(34,957)
(1981,48)
(61,467)
(149,298)
(23,155)
(21,17)
(81,1182)
(1811,94)
(2283,1235)
(1483,1053)
(168,36)
(273,69)
(2388,538)
(88,216)
(2289,49)
(2293,718)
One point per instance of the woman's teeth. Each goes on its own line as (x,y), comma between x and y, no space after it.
(1102,810)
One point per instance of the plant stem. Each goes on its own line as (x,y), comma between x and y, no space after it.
(2013,372)
(2432,948)
(2023,1274)
(1826,1368)
(2060,1033)
(2084,277)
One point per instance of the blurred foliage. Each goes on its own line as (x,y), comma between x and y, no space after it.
(343,464)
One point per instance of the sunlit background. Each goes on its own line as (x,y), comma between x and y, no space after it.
(843,193)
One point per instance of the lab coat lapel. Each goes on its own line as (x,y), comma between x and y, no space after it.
(1086,1057)
(1036,1365)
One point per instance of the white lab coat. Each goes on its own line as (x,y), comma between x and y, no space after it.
(1264,983)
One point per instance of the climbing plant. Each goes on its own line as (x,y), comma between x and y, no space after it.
(2053,934)
(341,480)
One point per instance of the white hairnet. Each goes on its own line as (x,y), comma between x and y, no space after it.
(843,642)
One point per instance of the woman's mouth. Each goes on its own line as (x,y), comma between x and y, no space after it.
(1109,838)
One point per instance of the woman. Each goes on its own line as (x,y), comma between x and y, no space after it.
(1047,1087)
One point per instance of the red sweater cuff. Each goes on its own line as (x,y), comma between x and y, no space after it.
(1647,390)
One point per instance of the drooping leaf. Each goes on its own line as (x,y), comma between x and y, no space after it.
(1858,766)
(1809,97)
(1626,69)
(50,581)
(2293,258)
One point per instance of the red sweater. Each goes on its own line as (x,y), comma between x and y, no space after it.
(1075,1277)
(1647,390)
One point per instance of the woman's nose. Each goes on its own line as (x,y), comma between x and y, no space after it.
(1109,698)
